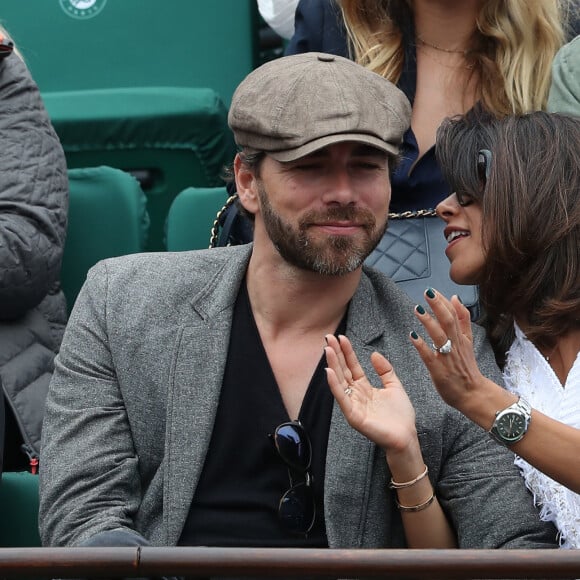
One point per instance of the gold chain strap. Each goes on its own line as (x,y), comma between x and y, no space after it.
(214,234)
(215,228)
(405,215)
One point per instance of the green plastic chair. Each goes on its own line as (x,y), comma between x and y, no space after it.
(191,217)
(19,510)
(107,218)
(135,43)
(168,138)
(140,85)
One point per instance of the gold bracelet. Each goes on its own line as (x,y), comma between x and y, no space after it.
(395,485)
(416,508)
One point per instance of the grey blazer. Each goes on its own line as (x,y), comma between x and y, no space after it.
(131,407)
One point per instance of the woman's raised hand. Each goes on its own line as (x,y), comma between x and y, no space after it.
(386,416)
(449,356)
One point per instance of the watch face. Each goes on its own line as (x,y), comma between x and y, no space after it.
(510,426)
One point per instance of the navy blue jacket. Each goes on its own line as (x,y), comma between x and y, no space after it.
(318,27)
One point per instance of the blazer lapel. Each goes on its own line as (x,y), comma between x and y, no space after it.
(194,391)
(350,455)
(192,405)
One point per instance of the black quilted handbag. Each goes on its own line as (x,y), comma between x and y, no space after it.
(412,252)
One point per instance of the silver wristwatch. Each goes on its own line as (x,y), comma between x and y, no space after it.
(511,424)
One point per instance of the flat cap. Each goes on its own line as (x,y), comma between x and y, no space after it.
(295,105)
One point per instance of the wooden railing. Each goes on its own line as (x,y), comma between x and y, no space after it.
(283,562)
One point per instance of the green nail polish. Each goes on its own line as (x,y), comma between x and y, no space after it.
(420,309)
(430,293)
(414,335)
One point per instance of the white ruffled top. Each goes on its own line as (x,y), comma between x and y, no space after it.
(528,374)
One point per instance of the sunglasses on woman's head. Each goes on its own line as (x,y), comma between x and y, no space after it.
(296,509)
(483,166)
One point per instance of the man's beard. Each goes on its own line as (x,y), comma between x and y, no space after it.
(333,255)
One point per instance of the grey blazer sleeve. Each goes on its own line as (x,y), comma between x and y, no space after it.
(482,490)
(89,480)
(33,194)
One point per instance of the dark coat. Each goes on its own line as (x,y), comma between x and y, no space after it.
(33,219)
(318,27)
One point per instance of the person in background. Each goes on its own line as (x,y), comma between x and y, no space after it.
(279,15)
(318,27)
(564,94)
(513,227)
(446,55)
(190,405)
(33,220)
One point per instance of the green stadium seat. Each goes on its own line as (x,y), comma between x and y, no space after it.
(191,217)
(74,45)
(107,218)
(140,85)
(19,510)
(169,138)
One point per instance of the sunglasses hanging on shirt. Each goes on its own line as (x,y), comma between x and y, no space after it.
(296,509)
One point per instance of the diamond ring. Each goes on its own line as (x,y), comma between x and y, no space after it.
(443,349)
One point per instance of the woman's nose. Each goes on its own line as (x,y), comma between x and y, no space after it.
(448,207)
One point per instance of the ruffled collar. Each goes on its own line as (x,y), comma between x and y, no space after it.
(529,374)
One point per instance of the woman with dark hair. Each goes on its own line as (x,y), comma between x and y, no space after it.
(513,227)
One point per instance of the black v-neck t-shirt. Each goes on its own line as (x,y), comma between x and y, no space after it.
(236,500)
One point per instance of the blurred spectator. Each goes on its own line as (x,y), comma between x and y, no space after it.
(565,90)
(318,27)
(33,217)
(279,15)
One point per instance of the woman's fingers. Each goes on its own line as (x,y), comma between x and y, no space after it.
(451,362)
(449,322)
(433,327)
(463,316)
(425,350)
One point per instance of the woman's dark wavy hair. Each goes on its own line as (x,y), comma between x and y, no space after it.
(530,219)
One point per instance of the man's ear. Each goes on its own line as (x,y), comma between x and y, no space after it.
(246,185)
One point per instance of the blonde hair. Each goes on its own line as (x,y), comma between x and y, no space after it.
(513,50)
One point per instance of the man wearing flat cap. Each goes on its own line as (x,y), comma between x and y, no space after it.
(190,402)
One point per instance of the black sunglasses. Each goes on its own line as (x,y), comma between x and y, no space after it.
(483,166)
(296,509)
